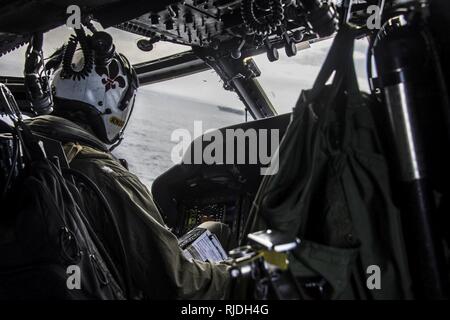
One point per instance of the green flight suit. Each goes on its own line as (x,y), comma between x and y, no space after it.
(157,265)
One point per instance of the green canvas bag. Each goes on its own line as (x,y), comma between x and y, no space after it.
(333,192)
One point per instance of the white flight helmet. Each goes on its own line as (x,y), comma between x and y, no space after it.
(104,89)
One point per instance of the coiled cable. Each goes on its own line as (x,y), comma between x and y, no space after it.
(69,52)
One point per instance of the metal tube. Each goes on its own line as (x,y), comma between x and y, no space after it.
(400,52)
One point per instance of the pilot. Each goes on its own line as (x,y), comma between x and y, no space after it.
(91,111)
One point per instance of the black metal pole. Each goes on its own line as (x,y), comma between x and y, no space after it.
(400,53)
(239,75)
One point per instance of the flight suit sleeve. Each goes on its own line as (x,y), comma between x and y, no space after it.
(158,266)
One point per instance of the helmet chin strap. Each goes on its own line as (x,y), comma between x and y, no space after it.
(130,96)
(121,133)
(116,144)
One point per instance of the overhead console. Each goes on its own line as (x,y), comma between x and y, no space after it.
(223,34)
(238,26)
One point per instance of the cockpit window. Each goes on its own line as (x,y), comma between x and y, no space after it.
(284,79)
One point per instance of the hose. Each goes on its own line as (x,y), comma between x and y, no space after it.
(69,52)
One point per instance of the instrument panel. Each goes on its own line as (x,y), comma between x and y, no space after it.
(190,194)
